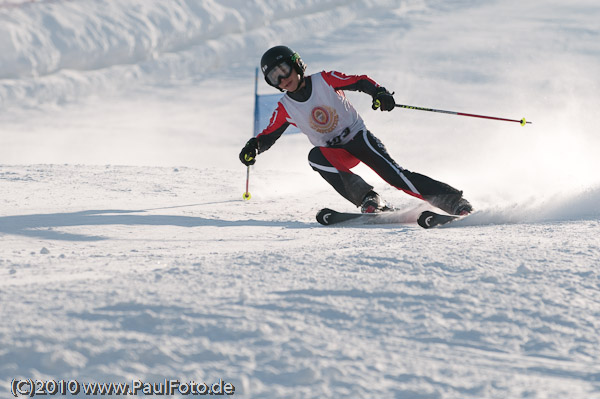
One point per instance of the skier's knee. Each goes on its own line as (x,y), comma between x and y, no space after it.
(315,155)
(317,160)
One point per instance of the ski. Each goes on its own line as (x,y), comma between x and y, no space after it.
(425,219)
(328,217)
(429,219)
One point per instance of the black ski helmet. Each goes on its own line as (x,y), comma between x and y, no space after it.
(278,54)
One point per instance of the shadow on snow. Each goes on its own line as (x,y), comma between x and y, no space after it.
(42,225)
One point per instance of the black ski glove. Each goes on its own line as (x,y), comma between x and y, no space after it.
(384,100)
(248,154)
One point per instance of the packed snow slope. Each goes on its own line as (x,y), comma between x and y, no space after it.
(127,253)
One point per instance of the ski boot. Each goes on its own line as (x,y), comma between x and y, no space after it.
(462,207)
(372,203)
(454,203)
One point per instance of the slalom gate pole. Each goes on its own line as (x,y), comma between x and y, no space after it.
(522,121)
(247,195)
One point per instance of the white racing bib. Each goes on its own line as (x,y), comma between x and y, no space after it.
(327,117)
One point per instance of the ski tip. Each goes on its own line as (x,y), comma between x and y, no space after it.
(429,219)
(425,220)
(323,216)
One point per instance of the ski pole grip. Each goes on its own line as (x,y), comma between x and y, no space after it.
(376,104)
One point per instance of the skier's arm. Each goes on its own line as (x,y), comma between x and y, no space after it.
(341,81)
(267,137)
(362,83)
(277,125)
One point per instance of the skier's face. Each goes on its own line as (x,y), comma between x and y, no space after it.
(291,82)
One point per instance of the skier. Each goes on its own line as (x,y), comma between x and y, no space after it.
(316,104)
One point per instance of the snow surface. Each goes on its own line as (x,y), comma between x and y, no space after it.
(127,252)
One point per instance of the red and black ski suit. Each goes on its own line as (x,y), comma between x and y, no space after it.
(322,112)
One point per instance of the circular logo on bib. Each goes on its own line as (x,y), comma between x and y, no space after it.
(324,119)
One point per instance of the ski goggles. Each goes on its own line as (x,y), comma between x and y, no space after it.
(278,73)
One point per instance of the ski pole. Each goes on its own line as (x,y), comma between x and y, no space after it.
(523,122)
(247,195)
